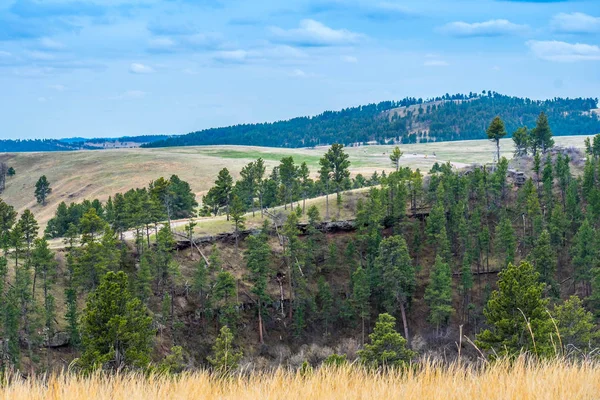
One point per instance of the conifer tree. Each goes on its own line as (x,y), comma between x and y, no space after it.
(116,330)
(438,294)
(257,257)
(395,156)
(466,285)
(225,358)
(542,135)
(324,302)
(42,190)
(585,256)
(237,216)
(338,164)
(576,325)
(398,276)
(506,241)
(516,314)
(521,141)
(543,258)
(361,292)
(224,293)
(387,348)
(495,132)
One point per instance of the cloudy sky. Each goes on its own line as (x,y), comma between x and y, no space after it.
(122,67)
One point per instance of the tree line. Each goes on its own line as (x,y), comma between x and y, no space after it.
(457,117)
(438,241)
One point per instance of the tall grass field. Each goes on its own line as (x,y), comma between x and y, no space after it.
(501,380)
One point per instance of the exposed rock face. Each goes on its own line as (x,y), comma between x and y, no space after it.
(60,339)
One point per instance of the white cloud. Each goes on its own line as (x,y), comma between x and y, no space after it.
(494,27)
(435,63)
(137,68)
(554,50)
(314,33)
(232,56)
(575,23)
(58,88)
(51,44)
(187,43)
(280,54)
(298,73)
(130,95)
(350,59)
(5,54)
(40,55)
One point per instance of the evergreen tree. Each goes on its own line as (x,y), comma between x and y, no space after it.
(257,257)
(395,156)
(42,190)
(585,256)
(387,348)
(144,279)
(506,240)
(44,266)
(466,285)
(521,141)
(575,325)
(543,258)
(224,293)
(516,314)
(438,294)
(542,135)
(338,164)
(325,180)
(361,292)
(324,302)
(398,276)
(495,132)
(237,212)
(116,330)
(225,358)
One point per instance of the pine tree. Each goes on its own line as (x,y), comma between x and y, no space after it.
(42,190)
(361,292)
(225,358)
(542,135)
(387,348)
(224,293)
(506,240)
(325,180)
(257,257)
(516,314)
(324,302)
(466,285)
(116,330)
(495,132)
(543,258)
(144,279)
(521,141)
(398,275)
(237,216)
(44,265)
(395,156)
(338,164)
(585,256)
(438,294)
(575,325)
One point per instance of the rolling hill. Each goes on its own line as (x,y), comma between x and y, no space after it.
(446,118)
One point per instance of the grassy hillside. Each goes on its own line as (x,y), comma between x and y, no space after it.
(79,175)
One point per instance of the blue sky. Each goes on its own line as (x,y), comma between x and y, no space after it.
(112,68)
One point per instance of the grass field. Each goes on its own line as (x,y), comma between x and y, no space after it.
(523,381)
(75,176)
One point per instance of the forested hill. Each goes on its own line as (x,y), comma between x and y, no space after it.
(456,117)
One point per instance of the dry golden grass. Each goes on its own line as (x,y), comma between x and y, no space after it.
(523,380)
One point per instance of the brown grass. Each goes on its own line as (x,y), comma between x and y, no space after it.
(80,175)
(521,380)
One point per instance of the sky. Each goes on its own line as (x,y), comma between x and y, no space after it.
(74,68)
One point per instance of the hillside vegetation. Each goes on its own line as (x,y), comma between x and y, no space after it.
(457,117)
(76,176)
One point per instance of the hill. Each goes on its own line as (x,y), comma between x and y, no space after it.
(457,117)
(79,175)
(76,143)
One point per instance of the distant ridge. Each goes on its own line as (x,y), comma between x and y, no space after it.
(449,117)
